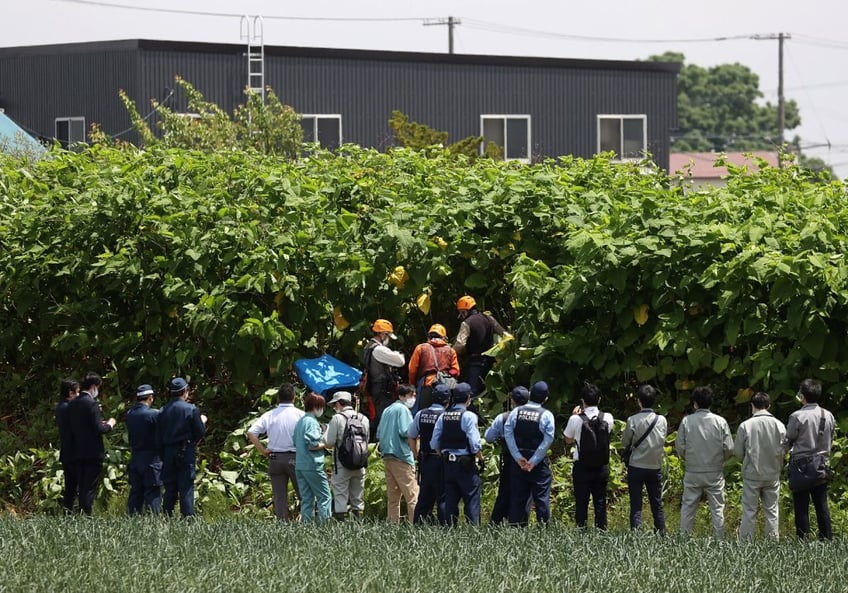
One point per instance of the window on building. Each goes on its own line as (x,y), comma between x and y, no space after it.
(510,132)
(70,130)
(625,135)
(326,130)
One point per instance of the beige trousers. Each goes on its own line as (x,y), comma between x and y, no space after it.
(400,481)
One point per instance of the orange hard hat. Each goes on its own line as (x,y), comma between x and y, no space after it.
(438,328)
(466,303)
(382,326)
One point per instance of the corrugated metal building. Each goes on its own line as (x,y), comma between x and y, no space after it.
(533,107)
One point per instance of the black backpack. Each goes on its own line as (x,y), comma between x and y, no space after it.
(352,452)
(594,447)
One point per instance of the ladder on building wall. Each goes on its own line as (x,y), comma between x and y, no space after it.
(252,33)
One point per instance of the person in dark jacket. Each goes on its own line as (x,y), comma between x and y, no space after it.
(145,466)
(476,335)
(68,390)
(181,426)
(431,470)
(86,426)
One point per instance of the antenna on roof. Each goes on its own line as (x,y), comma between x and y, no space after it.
(253,33)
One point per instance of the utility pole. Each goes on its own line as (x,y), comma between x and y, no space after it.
(450,22)
(781,103)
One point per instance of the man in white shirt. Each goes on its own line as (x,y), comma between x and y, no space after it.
(590,471)
(279,425)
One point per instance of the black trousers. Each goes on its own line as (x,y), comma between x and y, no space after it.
(69,494)
(88,472)
(590,482)
(431,490)
(652,481)
(801,501)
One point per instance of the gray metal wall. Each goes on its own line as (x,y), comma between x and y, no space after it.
(563,97)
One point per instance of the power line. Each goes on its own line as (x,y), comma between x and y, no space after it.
(104,4)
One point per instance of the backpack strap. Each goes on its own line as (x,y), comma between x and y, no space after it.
(646,433)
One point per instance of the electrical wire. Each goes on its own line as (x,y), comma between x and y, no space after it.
(104,4)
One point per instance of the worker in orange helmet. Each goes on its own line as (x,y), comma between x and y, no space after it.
(381,364)
(432,362)
(476,335)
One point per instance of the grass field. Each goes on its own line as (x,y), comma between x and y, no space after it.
(52,554)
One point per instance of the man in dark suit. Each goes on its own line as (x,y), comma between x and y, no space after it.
(68,390)
(87,426)
(181,426)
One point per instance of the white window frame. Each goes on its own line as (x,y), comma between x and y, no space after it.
(315,117)
(505,117)
(69,120)
(621,117)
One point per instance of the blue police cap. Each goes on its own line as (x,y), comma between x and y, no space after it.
(441,393)
(539,392)
(520,395)
(461,392)
(143,391)
(177,385)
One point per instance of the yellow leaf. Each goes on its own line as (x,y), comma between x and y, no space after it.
(441,242)
(399,277)
(172,312)
(743,396)
(339,320)
(423,302)
(640,314)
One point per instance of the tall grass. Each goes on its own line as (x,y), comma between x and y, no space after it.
(115,555)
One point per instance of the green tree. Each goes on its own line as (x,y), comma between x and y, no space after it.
(718,109)
(416,136)
(269,127)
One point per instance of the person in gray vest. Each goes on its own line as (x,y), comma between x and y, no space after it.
(145,468)
(348,485)
(519,396)
(457,439)
(704,443)
(645,434)
(431,470)
(759,444)
(529,432)
(806,435)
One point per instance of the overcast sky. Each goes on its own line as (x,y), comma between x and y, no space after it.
(614,29)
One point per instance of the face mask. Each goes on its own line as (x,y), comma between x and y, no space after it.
(93,392)
(409,403)
(319,413)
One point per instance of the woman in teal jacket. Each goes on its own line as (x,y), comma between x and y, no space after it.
(309,462)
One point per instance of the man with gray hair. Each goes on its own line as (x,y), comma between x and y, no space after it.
(279,425)
(759,446)
(347,483)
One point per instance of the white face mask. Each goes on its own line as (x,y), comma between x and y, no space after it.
(409,403)
(319,413)
(93,391)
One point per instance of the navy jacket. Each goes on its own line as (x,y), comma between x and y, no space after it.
(86,427)
(179,424)
(142,430)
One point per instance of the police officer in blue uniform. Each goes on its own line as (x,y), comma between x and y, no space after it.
(529,432)
(181,426)
(430,467)
(495,434)
(457,439)
(145,466)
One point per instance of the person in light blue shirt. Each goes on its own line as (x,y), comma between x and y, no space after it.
(529,432)
(309,462)
(396,448)
(495,434)
(457,439)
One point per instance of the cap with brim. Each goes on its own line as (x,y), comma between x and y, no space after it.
(143,391)
(341,396)
(177,385)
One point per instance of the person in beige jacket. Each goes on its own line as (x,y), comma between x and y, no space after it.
(759,446)
(704,443)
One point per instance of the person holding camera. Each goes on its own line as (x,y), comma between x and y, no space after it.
(457,439)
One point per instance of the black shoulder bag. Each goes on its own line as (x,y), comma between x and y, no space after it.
(628,450)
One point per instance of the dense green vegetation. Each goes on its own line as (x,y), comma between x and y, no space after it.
(227,266)
(48,554)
